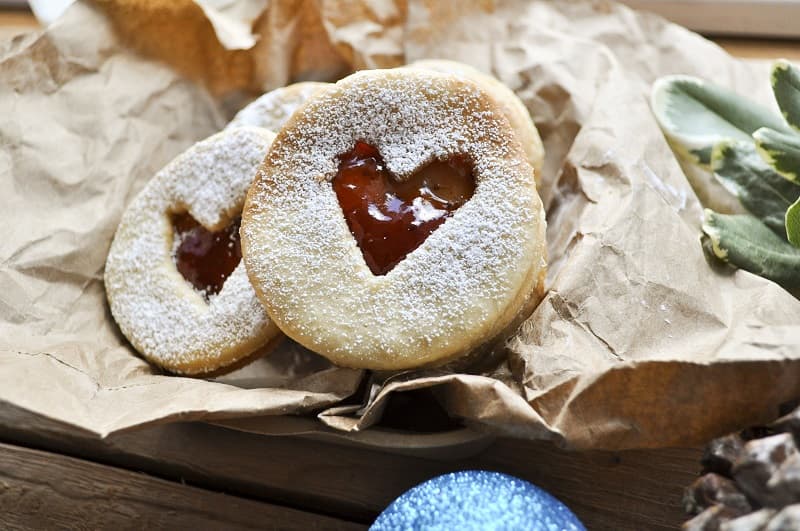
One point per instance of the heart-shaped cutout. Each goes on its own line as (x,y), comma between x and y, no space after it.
(390,218)
(205,258)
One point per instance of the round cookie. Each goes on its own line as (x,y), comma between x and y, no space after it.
(464,285)
(271,110)
(509,103)
(167,319)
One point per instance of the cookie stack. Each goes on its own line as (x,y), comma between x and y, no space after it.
(388,221)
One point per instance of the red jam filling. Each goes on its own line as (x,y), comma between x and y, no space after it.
(206,259)
(390,218)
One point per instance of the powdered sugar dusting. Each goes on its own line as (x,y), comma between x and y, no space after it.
(272,109)
(510,105)
(157,310)
(459,288)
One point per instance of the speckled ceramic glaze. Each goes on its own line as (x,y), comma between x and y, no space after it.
(477,499)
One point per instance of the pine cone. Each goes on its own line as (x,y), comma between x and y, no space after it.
(750,481)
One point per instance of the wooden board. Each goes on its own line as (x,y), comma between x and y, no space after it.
(761,48)
(630,490)
(16,22)
(39,490)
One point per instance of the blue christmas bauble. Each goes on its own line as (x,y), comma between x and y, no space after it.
(477,499)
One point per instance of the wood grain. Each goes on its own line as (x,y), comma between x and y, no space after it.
(630,490)
(39,490)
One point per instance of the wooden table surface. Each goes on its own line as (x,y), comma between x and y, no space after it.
(202,476)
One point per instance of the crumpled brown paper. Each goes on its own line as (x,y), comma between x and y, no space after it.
(638,343)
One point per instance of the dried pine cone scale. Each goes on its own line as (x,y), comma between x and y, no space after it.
(714,489)
(750,481)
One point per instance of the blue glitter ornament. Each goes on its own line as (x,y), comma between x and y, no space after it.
(476,499)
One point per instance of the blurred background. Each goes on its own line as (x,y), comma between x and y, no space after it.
(758,18)
(745,28)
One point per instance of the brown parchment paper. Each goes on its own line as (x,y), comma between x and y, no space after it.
(638,343)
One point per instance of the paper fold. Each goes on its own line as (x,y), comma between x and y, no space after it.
(639,342)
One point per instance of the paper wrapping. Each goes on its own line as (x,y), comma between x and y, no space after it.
(639,342)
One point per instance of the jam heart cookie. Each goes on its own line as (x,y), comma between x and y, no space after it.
(395,222)
(174,278)
(510,105)
(271,110)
